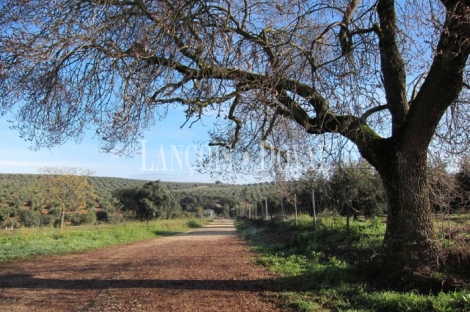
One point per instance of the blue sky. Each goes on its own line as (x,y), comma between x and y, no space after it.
(17,157)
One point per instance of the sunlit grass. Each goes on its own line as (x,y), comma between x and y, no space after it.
(44,241)
(322,268)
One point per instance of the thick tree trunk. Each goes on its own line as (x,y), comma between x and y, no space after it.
(410,241)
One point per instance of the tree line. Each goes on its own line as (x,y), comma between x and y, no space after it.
(352,188)
(356,188)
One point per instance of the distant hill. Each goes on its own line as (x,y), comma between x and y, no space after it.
(16,195)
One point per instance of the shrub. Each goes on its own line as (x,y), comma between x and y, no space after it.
(30,218)
(115,218)
(83,218)
(76,218)
(47,220)
(5,213)
(89,217)
(54,211)
(193,224)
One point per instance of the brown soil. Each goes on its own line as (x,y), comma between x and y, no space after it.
(208,269)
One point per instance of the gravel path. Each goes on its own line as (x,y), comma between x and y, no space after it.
(208,269)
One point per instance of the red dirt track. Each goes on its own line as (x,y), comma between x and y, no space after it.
(208,269)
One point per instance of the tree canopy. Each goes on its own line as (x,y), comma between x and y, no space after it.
(388,76)
(348,67)
(66,187)
(151,201)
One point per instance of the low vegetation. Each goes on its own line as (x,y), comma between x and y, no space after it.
(328,269)
(46,241)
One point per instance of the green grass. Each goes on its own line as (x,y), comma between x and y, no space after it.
(47,241)
(324,269)
(194,224)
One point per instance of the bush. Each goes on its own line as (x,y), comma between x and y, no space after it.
(76,218)
(5,213)
(193,224)
(36,205)
(115,218)
(106,205)
(83,218)
(54,211)
(89,217)
(30,218)
(90,204)
(47,220)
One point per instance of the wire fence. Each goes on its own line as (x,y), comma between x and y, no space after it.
(276,206)
(450,225)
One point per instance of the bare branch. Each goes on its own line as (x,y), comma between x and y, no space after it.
(373,111)
(344,36)
(235,119)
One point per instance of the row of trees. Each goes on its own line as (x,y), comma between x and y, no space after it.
(60,194)
(356,188)
(353,187)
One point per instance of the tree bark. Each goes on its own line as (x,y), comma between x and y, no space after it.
(410,241)
(62,217)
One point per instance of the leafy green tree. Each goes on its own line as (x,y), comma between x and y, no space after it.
(225,213)
(47,220)
(152,201)
(155,201)
(36,203)
(188,202)
(18,202)
(357,186)
(127,199)
(89,217)
(6,212)
(30,218)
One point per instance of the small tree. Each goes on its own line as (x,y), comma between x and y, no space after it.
(30,218)
(65,186)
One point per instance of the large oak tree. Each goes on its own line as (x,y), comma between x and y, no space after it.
(387,76)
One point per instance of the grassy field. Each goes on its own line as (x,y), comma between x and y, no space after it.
(328,270)
(45,241)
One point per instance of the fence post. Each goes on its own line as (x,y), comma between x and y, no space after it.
(347,213)
(295,205)
(267,213)
(282,210)
(314,211)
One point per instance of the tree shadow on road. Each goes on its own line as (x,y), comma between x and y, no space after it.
(26,281)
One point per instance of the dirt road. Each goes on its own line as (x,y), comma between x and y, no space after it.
(208,269)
